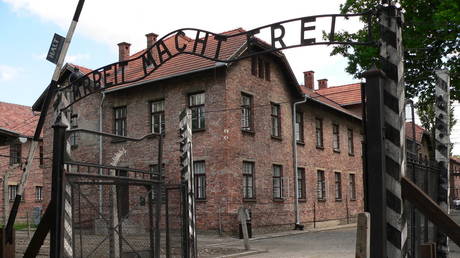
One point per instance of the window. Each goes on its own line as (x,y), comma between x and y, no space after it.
(321,185)
(351,148)
(277,182)
(123,194)
(120,121)
(157,174)
(248,180)
(352,187)
(319,132)
(15,154)
(12,191)
(338,186)
(73,124)
(276,120)
(196,104)
(335,137)
(299,127)
(38,193)
(158,116)
(200,180)
(246,112)
(301,193)
(41,155)
(260,68)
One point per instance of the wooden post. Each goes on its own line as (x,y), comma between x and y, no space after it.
(244,226)
(7,249)
(363,232)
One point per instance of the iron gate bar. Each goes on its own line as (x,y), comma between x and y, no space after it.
(77,130)
(106,182)
(118,179)
(95,165)
(114,228)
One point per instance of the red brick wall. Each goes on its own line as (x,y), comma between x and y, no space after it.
(35,179)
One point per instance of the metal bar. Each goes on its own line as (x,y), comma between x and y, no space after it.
(80,221)
(40,233)
(168,246)
(158,197)
(95,165)
(364,148)
(56,239)
(117,178)
(77,130)
(433,211)
(151,233)
(375,196)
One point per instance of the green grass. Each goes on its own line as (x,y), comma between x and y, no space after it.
(20,226)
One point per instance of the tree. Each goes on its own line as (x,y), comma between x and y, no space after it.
(431,39)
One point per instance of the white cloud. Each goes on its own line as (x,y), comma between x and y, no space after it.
(112,22)
(8,73)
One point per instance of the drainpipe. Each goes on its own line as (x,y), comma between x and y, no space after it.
(100,151)
(296,181)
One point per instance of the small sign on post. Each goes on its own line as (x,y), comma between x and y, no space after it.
(55,48)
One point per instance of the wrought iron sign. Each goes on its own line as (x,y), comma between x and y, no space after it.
(209,45)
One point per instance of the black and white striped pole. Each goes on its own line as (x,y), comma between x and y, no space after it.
(442,110)
(189,245)
(391,56)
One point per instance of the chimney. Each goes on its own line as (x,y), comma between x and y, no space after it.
(123,51)
(151,39)
(322,84)
(309,79)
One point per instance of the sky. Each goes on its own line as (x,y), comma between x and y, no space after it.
(27,27)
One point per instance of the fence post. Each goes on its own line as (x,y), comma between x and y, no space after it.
(442,141)
(391,60)
(57,184)
(363,243)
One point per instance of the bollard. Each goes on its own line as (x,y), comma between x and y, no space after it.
(243,220)
(363,232)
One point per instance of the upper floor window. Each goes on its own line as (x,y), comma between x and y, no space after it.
(15,153)
(246,112)
(73,138)
(277,181)
(248,180)
(351,148)
(338,186)
(335,137)
(158,116)
(276,120)
(120,121)
(260,68)
(299,127)
(196,104)
(200,179)
(319,132)
(12,192)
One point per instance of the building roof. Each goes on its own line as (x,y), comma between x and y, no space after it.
(419,131)
(455,159)
(18,119)
(343,95)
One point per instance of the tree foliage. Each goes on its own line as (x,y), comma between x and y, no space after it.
(431,40)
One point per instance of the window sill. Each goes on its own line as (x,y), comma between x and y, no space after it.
(249,132)
(338,200)
(278,199)
(198,130)
(351,154)
(336,151)
(319,147)
(249,200)
(321,200)
(300,142)
(302,200)
(118,140)
(278,138)
(352,200)
(201,200)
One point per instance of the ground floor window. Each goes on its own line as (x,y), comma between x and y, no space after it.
(38,193)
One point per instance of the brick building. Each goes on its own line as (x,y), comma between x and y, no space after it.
(454,178)
(243,136)
(17,127)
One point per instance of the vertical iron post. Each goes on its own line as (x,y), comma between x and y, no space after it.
(375,158)
(364,148)
(57,185)
(442,141)
(391,60)
(159,196)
